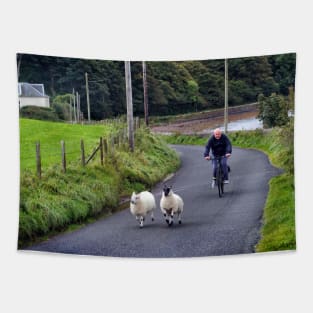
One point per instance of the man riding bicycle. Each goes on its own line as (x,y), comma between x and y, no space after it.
(221,147)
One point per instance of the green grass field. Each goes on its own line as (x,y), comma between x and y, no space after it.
(50,134)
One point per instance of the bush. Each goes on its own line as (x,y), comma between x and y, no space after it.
(39,113)
(61,105)
(273,110)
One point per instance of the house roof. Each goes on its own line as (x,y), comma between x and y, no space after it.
(31,90)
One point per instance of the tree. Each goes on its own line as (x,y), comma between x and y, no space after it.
(193,92)
(61,106)
(211,88)
(240,92)
(174,86)
(291,98)
(284,70)
(273,110)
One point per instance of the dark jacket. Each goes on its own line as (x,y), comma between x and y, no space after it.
(219,147)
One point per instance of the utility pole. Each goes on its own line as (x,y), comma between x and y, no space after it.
(145,92)
(226,97)
(87,95)
(71,109)
(74,103)
(78,106)
(129,102)
(80,112)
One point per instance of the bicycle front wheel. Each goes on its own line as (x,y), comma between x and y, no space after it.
(219,180)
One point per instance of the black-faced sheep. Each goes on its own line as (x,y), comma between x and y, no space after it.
(141,204)
(171,204)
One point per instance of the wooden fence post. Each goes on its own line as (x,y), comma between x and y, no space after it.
(120,138)
(124,138)
(63,156)
(105,146)
(82,148)
(38,159)
(112,145)
(101,150)
(138,122)
(135,124)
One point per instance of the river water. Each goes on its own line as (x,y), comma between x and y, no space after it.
(245,124)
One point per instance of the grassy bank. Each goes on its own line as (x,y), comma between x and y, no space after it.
(278,231)
(58,199)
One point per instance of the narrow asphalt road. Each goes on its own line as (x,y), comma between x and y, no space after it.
(211,225)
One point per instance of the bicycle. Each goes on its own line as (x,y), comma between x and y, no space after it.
(219,176)
(219,181)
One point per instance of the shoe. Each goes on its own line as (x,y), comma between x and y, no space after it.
(213,183)
(226,181)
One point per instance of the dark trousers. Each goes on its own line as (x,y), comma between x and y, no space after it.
(224,166)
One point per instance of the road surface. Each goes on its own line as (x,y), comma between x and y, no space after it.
(211,225)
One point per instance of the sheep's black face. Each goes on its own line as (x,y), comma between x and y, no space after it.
(166,190)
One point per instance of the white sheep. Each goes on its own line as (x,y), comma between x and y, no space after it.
(141,204)
(171,204)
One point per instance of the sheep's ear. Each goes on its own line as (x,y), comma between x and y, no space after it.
(133,194)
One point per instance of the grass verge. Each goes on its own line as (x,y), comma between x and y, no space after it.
(59,200)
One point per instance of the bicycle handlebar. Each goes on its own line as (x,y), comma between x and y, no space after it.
(217,157)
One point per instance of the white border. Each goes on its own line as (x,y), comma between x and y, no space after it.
(159,30)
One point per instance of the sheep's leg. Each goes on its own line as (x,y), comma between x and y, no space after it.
(152,216)
(141,221)
(179,217)
(165,216)
(171,218)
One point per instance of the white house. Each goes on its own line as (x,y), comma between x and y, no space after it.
(32,94)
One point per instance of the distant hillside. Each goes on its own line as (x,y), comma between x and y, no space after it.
(174,87)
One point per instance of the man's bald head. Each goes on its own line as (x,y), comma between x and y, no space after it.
(217,133)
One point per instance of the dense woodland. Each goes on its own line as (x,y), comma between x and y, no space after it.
(173,86)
